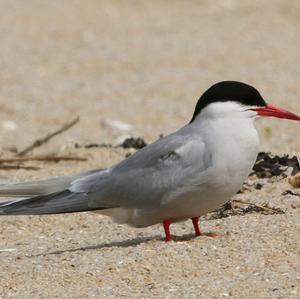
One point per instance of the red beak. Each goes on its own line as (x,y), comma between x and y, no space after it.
(273,111)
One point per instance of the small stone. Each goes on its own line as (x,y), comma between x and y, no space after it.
(9,125)
(258,186)
(295,180)
(117,124)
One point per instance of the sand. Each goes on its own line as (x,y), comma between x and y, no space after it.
(144,63)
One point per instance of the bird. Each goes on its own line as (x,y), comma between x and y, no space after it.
(181,176)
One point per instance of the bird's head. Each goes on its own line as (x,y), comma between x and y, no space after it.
(237,99)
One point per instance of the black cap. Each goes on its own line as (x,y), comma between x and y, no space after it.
(233,91)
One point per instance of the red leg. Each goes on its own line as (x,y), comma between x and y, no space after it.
(198,231)
(167,224)
(196,226)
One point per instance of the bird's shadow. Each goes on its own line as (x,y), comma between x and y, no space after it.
(127,243)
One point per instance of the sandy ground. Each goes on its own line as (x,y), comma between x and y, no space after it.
(144,63)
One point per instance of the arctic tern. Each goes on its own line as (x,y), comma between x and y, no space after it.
(181,176)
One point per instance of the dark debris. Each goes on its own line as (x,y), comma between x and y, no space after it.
(135,143)
(268,165)
(93,145)
(290,192)
(258,186)
(232,208)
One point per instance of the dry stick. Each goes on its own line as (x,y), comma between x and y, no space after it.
(254,204)
(17,166)
(47,158)
(45,139)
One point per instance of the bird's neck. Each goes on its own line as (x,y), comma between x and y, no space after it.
(233,144)
(230,139)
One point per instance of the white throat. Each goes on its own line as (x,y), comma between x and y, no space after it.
(229,133)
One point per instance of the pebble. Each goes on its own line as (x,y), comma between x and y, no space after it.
(117,124)
(295,180)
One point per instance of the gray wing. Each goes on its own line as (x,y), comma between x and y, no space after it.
(155,175)
(150,177)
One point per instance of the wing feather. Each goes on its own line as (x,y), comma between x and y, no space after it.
(151,176)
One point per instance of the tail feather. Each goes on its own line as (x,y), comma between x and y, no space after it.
(54,203)
(51,196)
(5,203)
(31,189)
(41,187)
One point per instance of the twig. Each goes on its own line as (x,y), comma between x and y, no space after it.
(46,158)
(8,249)
(254,204)
(45,139)
(17,166)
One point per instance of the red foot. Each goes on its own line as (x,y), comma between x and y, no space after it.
(196,226)
(167,224)
(195,220)
(212,235)
(198,231)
